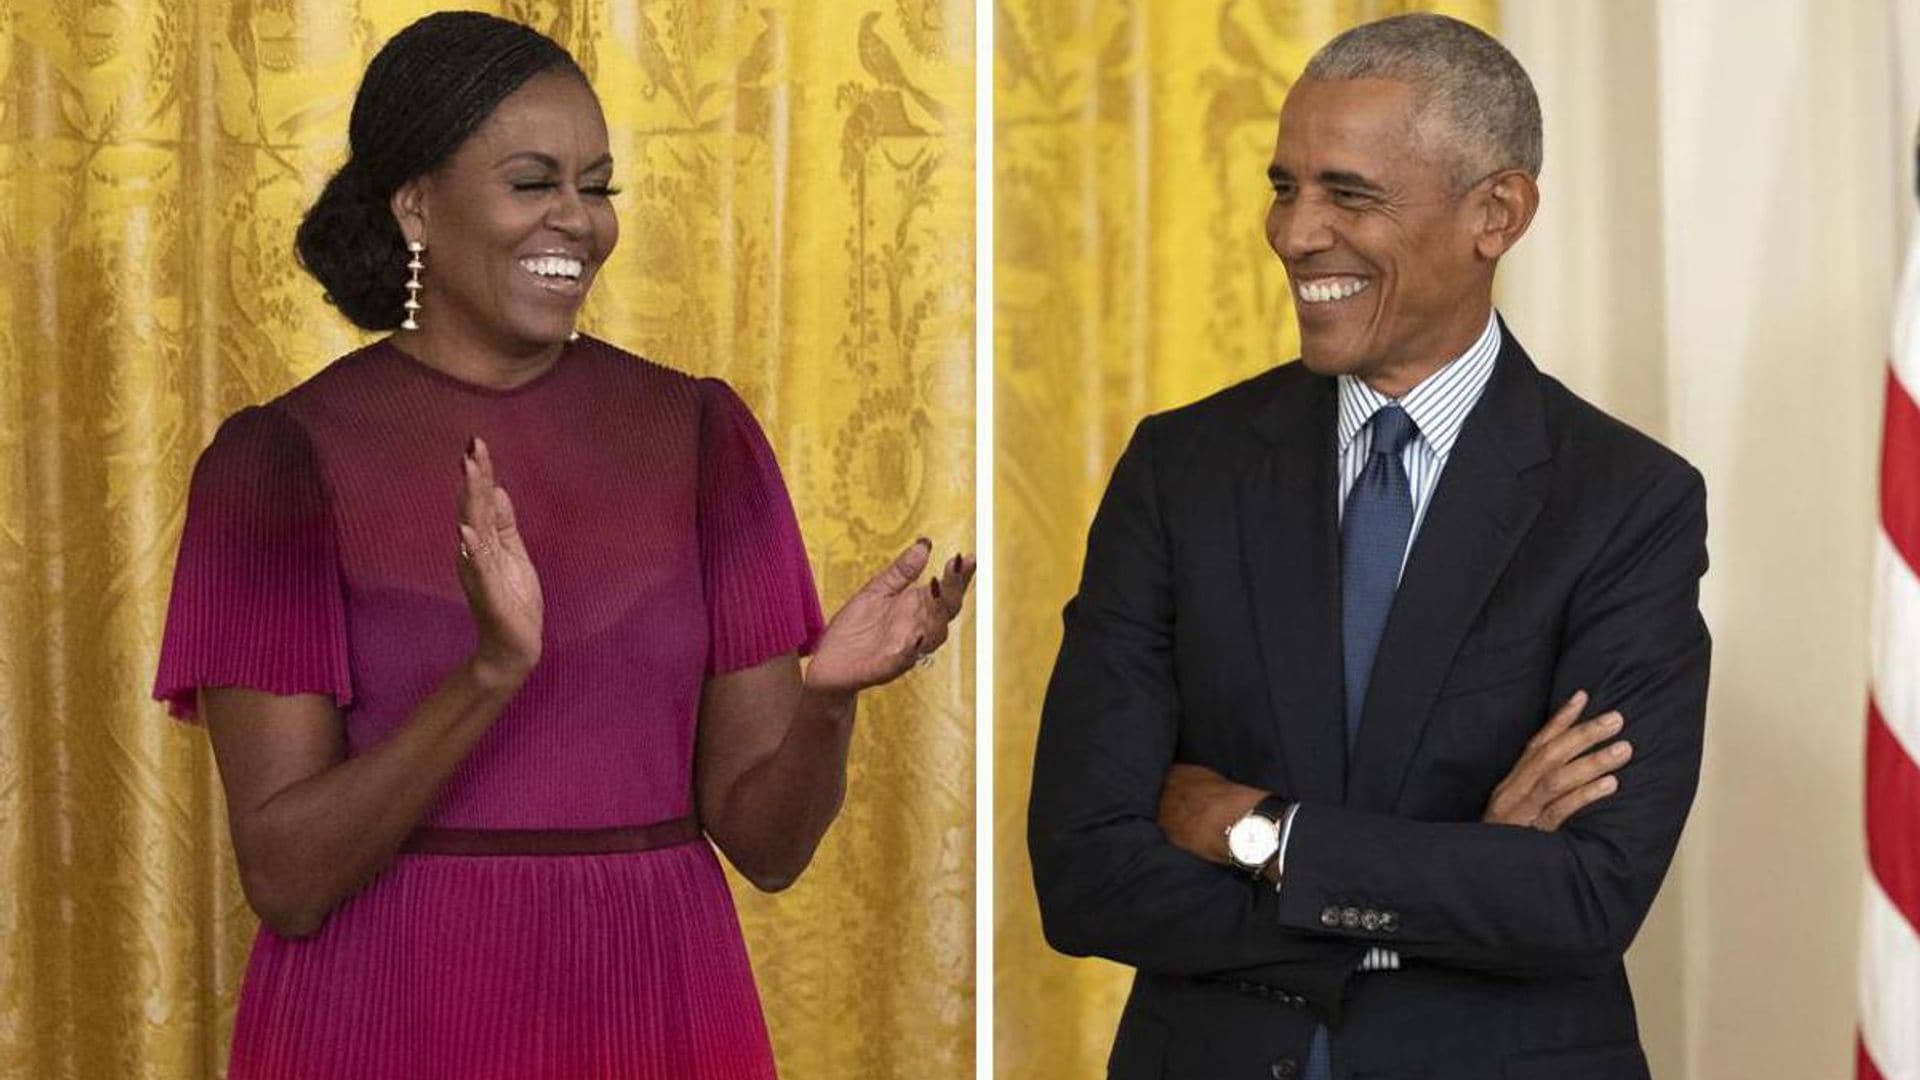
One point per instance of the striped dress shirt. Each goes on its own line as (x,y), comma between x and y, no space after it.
(1438,408)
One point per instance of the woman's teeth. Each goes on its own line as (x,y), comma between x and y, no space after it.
(1329,289)
(553,266)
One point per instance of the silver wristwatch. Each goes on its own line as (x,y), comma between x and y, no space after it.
(1254,840)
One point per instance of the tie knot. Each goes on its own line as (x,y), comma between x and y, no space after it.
(1392,427)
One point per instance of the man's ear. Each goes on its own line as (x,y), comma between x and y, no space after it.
(1506,209)
(409,208)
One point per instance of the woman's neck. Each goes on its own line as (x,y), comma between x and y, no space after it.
(470,360)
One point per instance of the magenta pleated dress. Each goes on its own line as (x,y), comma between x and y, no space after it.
(319,556)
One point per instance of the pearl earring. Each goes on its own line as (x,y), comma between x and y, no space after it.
(414,248)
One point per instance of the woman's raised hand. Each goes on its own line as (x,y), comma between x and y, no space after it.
(891,623)
(503,591)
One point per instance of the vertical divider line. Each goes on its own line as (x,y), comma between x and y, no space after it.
(983,478)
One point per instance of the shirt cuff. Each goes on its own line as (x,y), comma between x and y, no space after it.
(1280,856)
(1379,958)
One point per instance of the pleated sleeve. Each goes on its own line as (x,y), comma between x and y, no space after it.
(257,599)
(759,590)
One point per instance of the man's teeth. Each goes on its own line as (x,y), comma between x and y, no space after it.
(553,266)
(1320,292)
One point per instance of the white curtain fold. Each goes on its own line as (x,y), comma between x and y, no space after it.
(1726,190)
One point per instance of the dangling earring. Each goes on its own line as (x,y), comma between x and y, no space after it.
(573,335)
(414,248)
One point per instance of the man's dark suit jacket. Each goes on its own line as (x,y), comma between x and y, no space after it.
(1562,550)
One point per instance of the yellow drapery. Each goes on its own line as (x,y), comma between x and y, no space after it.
(1131,274)
(797,218)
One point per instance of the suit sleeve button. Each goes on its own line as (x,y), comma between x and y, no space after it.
(1329,916)
(1370,920)
(1389,921)
(1350,918)
(1284,1069)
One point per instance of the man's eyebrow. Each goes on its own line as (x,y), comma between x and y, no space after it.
(1328,178)
(1336,178)
(551,162)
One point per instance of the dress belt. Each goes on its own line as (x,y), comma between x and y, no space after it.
(659,834)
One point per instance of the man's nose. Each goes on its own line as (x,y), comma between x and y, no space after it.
(1298,228)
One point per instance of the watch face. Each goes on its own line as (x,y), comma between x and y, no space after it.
(1253,840)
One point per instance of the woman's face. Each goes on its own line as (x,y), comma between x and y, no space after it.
(517,221)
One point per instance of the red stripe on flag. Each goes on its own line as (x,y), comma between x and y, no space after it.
(1863,1067)
(1900,473)
(1893,817)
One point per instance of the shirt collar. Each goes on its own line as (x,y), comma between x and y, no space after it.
(1439,405)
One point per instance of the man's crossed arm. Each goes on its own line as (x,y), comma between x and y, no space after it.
(1562,896)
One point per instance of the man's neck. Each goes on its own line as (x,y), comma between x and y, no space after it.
(1398,380)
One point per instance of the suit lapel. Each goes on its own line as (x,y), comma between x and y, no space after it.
(1487,499)
(1289,545)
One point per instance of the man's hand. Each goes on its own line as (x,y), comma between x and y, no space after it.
(1198,805)
(1556,777)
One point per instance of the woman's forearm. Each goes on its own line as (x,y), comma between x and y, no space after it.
(318,841)
(774,814)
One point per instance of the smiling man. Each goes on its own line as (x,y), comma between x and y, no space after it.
(1292,765)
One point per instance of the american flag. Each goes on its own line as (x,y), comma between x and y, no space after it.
(1889,1045)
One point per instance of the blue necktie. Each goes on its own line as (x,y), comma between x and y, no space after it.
(1373,545)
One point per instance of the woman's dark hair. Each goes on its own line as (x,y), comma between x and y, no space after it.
(428,89)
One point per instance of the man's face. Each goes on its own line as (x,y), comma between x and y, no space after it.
(1380,251)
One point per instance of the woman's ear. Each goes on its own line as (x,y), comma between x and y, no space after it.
(409,209)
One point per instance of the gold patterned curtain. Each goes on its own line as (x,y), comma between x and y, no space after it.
(798,218)
(1131,274)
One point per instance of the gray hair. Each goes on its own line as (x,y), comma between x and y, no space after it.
(1477,107)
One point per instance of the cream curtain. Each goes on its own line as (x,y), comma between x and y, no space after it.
(798,218)
(1726,189)
(1131,274)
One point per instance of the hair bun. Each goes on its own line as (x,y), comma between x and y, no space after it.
(351,243)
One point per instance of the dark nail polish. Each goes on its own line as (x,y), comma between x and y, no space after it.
(935,585)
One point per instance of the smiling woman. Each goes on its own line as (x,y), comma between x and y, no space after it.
(473,761)
(520,220)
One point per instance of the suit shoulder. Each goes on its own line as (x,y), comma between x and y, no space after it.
(1226,415)
(1600,441)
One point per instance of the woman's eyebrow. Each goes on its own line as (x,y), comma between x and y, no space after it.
(551,162)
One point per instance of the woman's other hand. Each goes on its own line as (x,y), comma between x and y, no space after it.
(890,623)
(503,590)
